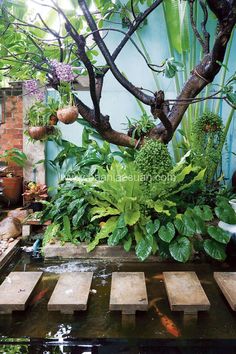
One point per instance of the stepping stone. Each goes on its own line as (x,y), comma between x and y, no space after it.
(185,292)
(71,292)
(16,289)
(227,284)
(128,292)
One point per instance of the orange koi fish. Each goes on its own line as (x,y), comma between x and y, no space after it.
(166,322)
(158,277)
(39,296)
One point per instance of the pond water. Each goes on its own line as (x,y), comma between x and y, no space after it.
(99,323)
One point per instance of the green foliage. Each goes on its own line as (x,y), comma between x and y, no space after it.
(68,211)
(153,161)
(14,155)
(140,127)
(206,143)
(37,116)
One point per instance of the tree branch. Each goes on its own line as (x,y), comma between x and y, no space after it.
(104,128)
(102,46)
(205,72)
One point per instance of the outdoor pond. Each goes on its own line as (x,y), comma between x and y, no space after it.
(99,323)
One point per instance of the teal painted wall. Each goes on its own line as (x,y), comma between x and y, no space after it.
(119,104)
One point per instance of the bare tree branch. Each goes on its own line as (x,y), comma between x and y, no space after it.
(102,46)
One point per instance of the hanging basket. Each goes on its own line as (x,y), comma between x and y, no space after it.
(37,133)
(67,115)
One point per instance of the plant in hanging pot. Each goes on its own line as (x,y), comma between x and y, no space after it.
(10,182)
(68,113)
(38,119)
(34,194)
(51,111)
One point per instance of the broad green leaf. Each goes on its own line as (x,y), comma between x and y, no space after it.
(117,235)
(150,227)
(184,226)
(107,229)
(144,248)
(181,249)
(156,225)
(167,232)
(77,217)
(204,212)
(215,249)
(162,206)
(225,213)
(218,234)
(128,244)
(131,217)
(100,212)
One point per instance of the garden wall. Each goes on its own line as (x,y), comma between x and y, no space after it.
(11,130)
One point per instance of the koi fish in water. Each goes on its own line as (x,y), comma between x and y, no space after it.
(166,322)
(38,297)
(158,277)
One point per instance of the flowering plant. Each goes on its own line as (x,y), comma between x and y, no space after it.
(32,89)
(35,192)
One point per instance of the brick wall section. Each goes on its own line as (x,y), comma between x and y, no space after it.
(11,132)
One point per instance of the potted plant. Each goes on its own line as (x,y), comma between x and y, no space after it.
(68,113)
(38,119)
(11,184)
(51,111)
(33,195)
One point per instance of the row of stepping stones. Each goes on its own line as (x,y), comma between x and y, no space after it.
(128,291)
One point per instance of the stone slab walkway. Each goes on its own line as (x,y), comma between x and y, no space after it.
(71,292)
(16,290)
(128,292)
(227,284)
(185,292)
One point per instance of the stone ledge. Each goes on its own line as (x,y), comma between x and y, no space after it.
(71,251)
(13,248)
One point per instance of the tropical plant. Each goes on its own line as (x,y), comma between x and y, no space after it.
(35,192)
(206,143)
(33,56)
(68,211)
(15,156)
(138,128)
(36,116)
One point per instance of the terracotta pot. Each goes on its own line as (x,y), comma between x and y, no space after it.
(37,133)
(53,120)
(68,115)
(12,189)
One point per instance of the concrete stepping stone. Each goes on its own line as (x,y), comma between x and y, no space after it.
(16,290)
(227,284)
(128,292)
(71,292)
(185,292)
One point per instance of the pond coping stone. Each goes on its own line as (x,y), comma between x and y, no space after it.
(71,251)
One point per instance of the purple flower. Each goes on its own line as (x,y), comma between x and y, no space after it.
(31,87)
(63,71)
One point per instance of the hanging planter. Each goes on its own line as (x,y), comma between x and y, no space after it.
(37,133)
(67,115)
(68,112)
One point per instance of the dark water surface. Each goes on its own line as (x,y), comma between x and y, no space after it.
(101,324)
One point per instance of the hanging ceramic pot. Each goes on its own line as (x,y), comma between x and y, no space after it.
(68,115)
(37,133)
